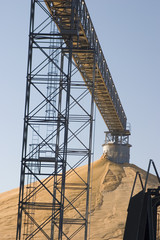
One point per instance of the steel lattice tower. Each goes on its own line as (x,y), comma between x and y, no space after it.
(80,77)
(70,140)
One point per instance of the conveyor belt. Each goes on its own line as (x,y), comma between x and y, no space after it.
(85,49)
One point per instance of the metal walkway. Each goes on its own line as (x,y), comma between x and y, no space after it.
(105,95)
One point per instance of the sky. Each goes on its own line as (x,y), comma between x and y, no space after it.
(129,33)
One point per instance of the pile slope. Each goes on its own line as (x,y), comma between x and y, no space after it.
(111,189)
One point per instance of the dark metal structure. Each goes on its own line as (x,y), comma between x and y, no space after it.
(81,78)
(143,212)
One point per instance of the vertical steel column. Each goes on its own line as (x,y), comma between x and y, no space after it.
(57,147)
(90,148)
(70,46)
(25,128)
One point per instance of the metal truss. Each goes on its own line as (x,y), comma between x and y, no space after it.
(85,37)
(121,138)
(144,209)
(57,179)
(59,113)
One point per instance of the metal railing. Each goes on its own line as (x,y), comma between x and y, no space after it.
(102,64)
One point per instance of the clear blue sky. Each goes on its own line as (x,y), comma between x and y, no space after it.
(129,33)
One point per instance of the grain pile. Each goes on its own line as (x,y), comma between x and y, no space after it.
(111,189)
